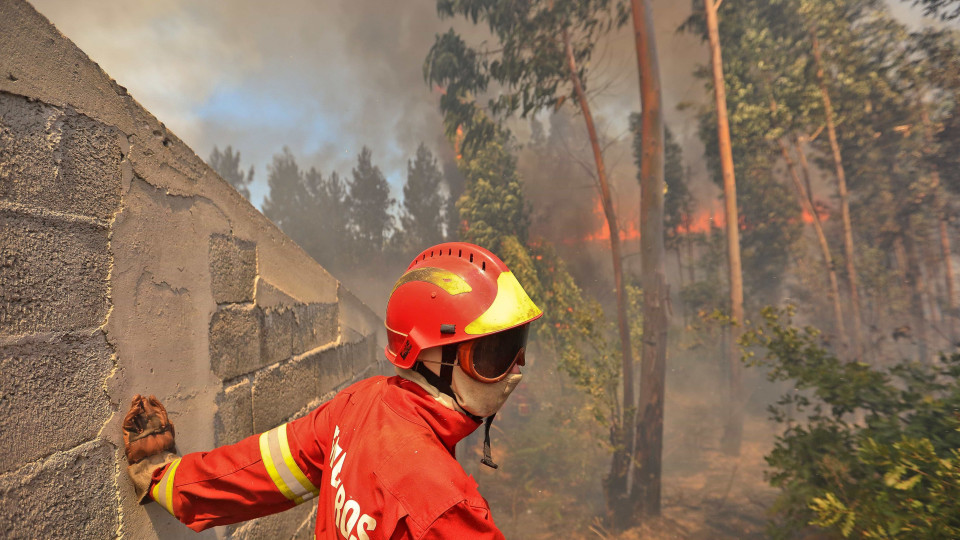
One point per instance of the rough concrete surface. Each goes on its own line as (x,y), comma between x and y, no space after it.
(128,266)
(70,495)
(235,341)
(233,269)
(54,273)
(234,419)
(57,407)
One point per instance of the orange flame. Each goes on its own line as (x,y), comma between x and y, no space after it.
(457,141)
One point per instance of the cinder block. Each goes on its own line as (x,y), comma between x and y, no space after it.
(281,391)
(234,419)
(279,327)
(317,325)
(330,364)
(53,276)
(297,523)
(90,175)
(356,357)
(235,341)
(29,137)
(72,494)
(233,268)
(64,162)
(53,396)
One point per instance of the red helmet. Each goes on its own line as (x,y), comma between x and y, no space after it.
(451,293)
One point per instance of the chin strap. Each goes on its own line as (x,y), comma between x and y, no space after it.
(487,458)
(443,383)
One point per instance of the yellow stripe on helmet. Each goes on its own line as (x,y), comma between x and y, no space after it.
(511,307)
(445,279)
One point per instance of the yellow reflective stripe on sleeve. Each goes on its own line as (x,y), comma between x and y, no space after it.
(272,469)
(512,307)
(162,491)
(155,491)
(292,465)
(283,469)
(169,498)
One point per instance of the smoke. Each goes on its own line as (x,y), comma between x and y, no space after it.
(323,78)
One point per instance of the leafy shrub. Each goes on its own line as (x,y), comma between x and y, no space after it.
(866,452)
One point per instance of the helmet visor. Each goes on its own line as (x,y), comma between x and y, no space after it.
(490,358)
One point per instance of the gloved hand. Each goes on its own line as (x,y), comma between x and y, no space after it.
(148,441)
(146,429)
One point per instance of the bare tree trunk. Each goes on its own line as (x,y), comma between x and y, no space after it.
(929,267)
(805,202)
(948,271)
(616,483)
(915,282)
(942,209)
(646,489)
(844,199)
(692,268)
(733,430)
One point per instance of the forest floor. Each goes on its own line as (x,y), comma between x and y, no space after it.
(710,495)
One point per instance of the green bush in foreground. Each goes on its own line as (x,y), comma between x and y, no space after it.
(866,452)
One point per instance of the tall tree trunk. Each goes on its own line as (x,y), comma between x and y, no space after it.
(807,204)
(692,267)
(929,266)
(646,489)
(616,484)
(844,199)
(943,211)
(915,282)
(733,430)
(948,275)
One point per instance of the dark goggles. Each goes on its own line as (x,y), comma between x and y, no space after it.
(490,358)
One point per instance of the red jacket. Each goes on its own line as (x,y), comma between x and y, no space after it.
(380,456)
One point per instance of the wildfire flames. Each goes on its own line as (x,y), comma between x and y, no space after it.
(456,143)
(699,223)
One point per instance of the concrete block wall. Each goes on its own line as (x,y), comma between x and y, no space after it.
(128,266)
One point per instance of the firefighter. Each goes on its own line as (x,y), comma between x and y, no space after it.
(379,456)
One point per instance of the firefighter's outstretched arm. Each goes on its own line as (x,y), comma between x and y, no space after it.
(260,475)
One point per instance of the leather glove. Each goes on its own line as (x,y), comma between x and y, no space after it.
(148,441)
(146,429)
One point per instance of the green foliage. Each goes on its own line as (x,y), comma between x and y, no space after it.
(576,330)
(492,205)
(370,204)
(528,62)
(873,453)
(227,165)
(945,9)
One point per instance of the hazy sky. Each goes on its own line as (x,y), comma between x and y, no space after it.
(322,77)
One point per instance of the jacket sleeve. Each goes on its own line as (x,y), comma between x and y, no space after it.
(260,475)
(464,520)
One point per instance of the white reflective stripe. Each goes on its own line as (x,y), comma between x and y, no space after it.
(162,492)
(283,470)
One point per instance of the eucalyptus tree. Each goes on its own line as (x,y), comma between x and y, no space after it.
(761,221)
(539,61)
